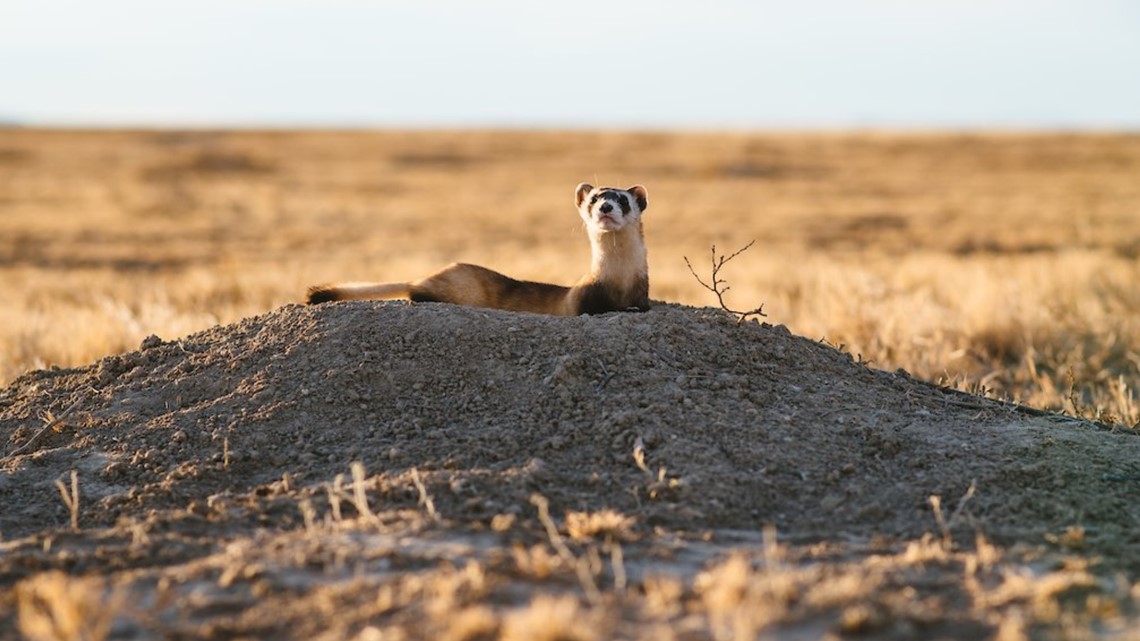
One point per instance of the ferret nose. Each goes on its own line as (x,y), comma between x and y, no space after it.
(606,208)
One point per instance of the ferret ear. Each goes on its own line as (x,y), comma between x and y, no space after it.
(641,195)
(581,191)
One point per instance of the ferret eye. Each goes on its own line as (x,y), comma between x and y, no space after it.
(593,199)
(624,203)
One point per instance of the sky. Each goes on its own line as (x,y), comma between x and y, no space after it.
(735,64)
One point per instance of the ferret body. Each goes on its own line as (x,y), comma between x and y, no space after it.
(618,279)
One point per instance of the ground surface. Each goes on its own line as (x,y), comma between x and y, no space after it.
(385,471)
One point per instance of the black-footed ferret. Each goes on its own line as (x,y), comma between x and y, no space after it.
(618,279)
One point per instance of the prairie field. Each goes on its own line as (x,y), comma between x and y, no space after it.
(997,263)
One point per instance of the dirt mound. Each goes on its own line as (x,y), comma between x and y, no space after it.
(678,415)
(214,472)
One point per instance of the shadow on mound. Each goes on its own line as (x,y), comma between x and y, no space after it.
(677,416)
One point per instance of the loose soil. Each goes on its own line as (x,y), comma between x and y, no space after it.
(382,470)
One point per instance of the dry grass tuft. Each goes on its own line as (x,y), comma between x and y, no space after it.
(552,618)
(663,596)
(605,524)
(581,565)
(740,602)
(56,607)
(477,623)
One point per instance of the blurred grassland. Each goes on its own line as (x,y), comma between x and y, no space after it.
(1002,263)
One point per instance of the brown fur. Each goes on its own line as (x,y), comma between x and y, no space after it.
(618,279)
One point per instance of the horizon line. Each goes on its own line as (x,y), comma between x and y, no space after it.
(860,126)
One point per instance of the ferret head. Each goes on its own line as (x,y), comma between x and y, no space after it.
(607,209)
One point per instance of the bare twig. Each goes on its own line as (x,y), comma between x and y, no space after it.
(936,506)
(773,556)
(309,514)
(71,500)
(639,456)
(44,430)
(359,496)
(581,566)
(945,524)
(719,286)
(617,562)
(334,491)
(962,502)
(607,375)
(425,498)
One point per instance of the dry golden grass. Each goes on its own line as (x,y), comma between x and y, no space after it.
(1003,262)
(56,607)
